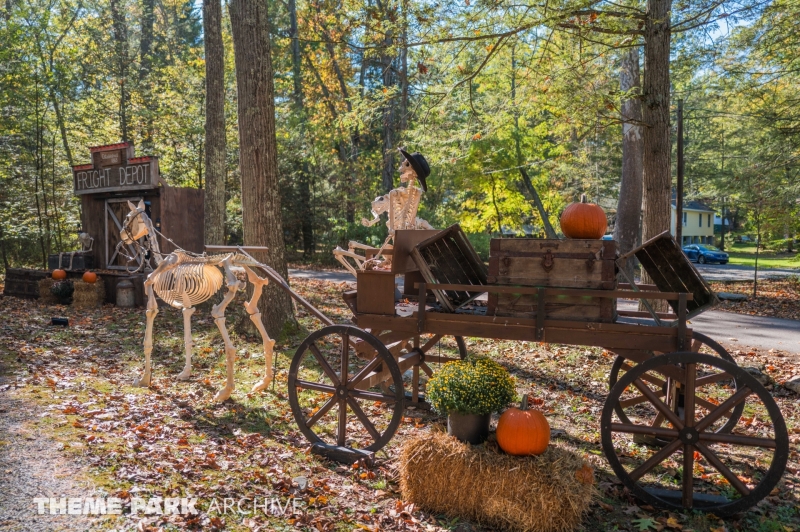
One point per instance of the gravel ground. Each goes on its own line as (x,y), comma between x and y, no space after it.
(32,465)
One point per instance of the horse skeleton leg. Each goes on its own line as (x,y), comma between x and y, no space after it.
(218,313)
(152,310)
(187,311)
(255,316)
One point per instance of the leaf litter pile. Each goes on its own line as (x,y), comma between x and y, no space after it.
(777,298)
(171,440)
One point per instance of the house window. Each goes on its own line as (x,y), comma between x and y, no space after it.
(700,220)
(685,217)
(709,220)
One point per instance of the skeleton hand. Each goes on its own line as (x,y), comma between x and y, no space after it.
(370,223)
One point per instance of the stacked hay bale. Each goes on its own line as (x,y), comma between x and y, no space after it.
(45,295)
(89,295)
(550,492)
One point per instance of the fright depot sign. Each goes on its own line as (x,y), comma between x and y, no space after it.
(115,169)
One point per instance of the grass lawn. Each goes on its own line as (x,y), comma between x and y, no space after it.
(171,440)
(745,255)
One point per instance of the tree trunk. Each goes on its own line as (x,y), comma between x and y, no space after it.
(526,180)
(387,178)
(121,51)
(655,115)
(627,228)
(306,212)
(258,157)
(145,67)
(216,167)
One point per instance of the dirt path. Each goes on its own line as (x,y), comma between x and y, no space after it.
(32,465)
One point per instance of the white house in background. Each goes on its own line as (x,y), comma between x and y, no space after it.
(697,223)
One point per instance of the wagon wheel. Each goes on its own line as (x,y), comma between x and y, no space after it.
(658,384)
(729,472)
(326,373)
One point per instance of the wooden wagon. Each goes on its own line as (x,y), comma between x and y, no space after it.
(677,400)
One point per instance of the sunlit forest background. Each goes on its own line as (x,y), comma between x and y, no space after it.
(494,93)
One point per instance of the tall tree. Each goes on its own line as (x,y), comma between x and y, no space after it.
(145,68)
(627,230)
(120,34)
(215,162)
(258,156)
(306,213)
(655,115)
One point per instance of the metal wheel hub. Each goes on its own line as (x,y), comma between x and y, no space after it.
(689,435)
(342,392)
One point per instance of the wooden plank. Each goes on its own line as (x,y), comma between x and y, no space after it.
(343,455)
(182,213)
(612,294)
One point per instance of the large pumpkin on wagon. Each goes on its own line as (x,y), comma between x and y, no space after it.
(584,220)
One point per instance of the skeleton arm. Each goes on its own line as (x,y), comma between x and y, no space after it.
(379,205)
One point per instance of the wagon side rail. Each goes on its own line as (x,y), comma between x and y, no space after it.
(541,294)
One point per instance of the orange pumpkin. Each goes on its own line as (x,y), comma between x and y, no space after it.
(59,274)
(584,220)
(89,277)
(523,432)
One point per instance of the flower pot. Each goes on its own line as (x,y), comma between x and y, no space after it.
(469,428)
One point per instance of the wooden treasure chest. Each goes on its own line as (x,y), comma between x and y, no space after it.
(530,262)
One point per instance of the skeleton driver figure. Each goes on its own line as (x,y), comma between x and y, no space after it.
(401,206)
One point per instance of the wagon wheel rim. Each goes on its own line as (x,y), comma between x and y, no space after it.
(711,454)
(328,391)
(657,382)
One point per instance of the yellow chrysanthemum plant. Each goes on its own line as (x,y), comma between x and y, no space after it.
(473,386)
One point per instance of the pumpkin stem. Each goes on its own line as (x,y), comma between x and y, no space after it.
(524,405)
(583,198)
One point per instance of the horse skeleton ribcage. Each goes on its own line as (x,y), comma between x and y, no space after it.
(197,280)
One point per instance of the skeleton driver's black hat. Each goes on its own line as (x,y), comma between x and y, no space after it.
(420,166)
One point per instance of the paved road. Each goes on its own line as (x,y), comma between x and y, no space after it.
(732,330)
(728,328)
(737,272)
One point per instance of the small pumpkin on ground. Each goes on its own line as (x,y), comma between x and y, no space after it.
(523,432)
(89,277)
(59,275)
(584,220)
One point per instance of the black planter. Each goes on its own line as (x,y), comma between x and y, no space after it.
(469,428)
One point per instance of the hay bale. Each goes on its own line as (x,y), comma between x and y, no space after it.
(45,295)
(483,484)
(89,295)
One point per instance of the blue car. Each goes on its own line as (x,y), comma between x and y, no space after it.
(703,253)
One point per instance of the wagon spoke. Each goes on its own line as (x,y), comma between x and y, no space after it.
(345,358)
(729,475)
(342,434)
(638,400)
(362,417)
(710,379)
(643,429)
(710,406)
(738,439)
(324,364)
(307,385)
(654,460)
(720,411)
(430,343)
(324,409)
(659,404)
(373,396)
(646,377)
(688,475)
(361,375)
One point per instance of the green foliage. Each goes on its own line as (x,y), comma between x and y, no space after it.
(472,386)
